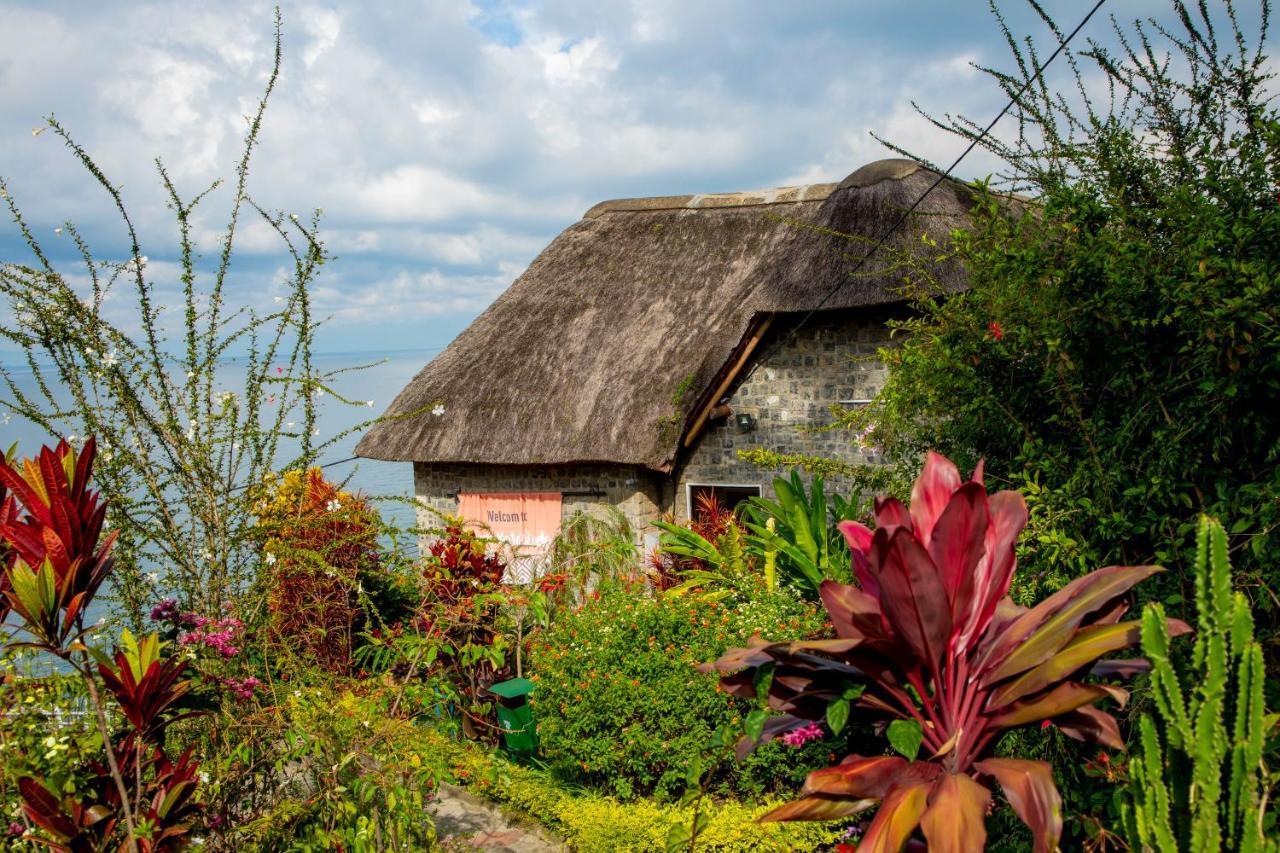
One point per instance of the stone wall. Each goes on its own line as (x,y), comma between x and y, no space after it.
(832,358)
(634,490)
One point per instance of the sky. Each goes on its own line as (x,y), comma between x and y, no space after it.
(448,142)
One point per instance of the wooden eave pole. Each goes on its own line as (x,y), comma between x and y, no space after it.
(729,377)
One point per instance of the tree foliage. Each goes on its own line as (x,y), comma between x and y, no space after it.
(1117,350)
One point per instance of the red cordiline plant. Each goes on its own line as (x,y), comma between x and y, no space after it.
(929,640)
(51,523)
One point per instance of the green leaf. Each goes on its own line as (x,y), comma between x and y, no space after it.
(838,715)
(905,736)
(763,680)
(754,724)
(678,837)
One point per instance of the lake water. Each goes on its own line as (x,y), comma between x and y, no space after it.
(389,373)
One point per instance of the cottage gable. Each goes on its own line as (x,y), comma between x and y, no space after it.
(606,349)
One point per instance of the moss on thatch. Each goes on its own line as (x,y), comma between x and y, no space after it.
(577,360)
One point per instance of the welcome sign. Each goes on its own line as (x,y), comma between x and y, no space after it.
(527,521)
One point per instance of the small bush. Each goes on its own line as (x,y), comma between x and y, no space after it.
(321,553)
(620,705)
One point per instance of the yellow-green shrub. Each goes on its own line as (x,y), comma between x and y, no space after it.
(593,823)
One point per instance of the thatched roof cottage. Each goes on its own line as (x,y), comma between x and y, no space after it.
(653,340)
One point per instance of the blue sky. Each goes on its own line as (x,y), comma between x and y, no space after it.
(448,142)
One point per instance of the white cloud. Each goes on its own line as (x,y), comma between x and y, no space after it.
(449,141)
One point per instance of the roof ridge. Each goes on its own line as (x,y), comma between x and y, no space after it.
(707,201)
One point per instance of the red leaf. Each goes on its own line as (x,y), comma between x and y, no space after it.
(853,612)
(895,820)
(1007,515)
(956,819)
(1087,646)
(1091,725)
(45,810)
(1121,668)
(1065,697)
(1047,627)
(1029,788)
(931,493)
(957,545)
(816,807)
(890,513)
(912,597)
(857,777)
(858,536)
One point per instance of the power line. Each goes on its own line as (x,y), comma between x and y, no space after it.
(973,143)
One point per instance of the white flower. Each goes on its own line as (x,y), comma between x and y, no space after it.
(438,410)
(293,216)
(191,374)
(270,559)
(153,577)
(333,506)
(110,360)
(316,431)
(57,231)
(206,554)
(36,131)
(369,404)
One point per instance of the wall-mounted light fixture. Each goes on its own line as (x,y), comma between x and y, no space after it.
(745,422)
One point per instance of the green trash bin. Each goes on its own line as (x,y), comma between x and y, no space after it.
(515,715)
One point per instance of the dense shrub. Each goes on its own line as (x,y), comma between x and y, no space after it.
(320,550)
(462,616)
(1116,354)
(620,705)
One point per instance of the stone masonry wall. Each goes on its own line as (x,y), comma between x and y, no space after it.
(633,490)
(832,358)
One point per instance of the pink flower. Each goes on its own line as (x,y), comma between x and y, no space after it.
(165,611)
(804,734)
(244,688)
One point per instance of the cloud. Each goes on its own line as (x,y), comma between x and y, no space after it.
(447,141)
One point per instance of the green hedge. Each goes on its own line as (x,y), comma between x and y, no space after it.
(621,707)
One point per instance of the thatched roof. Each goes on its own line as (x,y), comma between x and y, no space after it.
(603,347)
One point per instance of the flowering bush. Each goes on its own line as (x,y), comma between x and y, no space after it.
(620,705)
(461,609)
(320,551)
(930,642)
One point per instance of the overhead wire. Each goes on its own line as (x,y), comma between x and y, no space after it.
(973,143)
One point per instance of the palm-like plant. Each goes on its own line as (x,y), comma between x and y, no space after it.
(929,640)
(804,533)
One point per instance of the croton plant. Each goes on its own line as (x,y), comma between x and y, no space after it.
(929,641)
(53,562)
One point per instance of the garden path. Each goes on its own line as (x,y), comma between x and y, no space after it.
(466,822)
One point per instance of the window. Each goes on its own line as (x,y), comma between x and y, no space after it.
(728,495)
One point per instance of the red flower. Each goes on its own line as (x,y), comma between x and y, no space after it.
(996,331)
